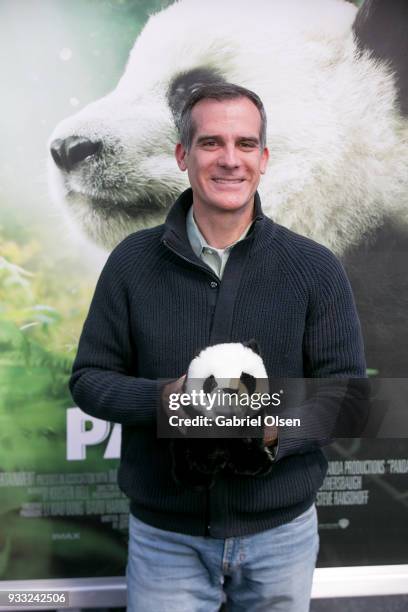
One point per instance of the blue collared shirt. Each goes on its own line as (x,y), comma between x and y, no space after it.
(215,258)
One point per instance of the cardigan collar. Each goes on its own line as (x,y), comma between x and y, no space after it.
(175,225)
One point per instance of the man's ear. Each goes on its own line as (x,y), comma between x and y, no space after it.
(180,154)
(264,160)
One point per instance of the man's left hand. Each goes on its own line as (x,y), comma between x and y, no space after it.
(270,435)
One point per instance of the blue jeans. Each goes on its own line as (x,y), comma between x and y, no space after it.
(269,571)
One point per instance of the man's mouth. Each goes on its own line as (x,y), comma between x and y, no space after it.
(224,181)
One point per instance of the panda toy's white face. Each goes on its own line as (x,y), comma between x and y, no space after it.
(227,371)
(338,147)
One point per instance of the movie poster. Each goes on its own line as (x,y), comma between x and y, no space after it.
(337,174)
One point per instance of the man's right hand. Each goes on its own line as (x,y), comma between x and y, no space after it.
(176,386)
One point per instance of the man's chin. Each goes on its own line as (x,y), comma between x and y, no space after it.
(229,201)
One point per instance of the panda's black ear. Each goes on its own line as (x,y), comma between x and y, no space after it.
(253,344)
(197,352)
(209,384)
(249,381)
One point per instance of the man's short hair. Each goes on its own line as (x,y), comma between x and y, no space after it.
(219,92)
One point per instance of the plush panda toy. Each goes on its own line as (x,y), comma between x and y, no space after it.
(230,368)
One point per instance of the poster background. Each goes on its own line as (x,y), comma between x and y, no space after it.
(59,518)
(55,57)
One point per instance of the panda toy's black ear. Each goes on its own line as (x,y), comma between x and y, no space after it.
(197,352)
(253,344)
(249,381)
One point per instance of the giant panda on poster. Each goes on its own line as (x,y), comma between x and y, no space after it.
(334,81)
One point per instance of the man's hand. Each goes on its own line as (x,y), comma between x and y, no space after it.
(176,386)
(270,435)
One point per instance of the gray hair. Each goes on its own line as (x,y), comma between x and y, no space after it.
(216,91)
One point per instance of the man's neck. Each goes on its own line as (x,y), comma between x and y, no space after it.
(222,228)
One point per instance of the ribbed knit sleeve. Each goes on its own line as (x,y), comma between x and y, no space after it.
(101,383)
(333,351)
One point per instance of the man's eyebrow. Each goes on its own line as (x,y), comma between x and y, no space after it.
(253,139)
(204,137)
(208,137)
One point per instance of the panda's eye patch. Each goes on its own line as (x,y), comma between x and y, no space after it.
(209,384)
(249,381)
(183,85)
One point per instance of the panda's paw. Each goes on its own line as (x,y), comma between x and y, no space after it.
(212,460)
(194,465)
(248,457)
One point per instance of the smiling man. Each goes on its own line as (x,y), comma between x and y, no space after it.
(216,271)
(224,161)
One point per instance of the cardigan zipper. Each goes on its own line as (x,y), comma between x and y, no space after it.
(207,516)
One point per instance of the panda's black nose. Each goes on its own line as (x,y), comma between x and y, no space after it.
(69,152)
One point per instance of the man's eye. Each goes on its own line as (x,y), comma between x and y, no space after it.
(209,143)
(248,145)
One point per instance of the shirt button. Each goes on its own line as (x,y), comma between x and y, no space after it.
(213,284)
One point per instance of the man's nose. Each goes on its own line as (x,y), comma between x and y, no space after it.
(229,157)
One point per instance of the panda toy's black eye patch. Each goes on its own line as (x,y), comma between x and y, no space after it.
(183,85)
(249,381)
(209,384)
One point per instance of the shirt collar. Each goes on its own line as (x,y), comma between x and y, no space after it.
(197,240)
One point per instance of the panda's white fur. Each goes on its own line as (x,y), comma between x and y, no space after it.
(339,153)
(225,362)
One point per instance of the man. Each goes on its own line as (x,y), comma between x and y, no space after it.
(217,271)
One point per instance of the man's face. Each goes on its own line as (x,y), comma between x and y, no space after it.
(225,161)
